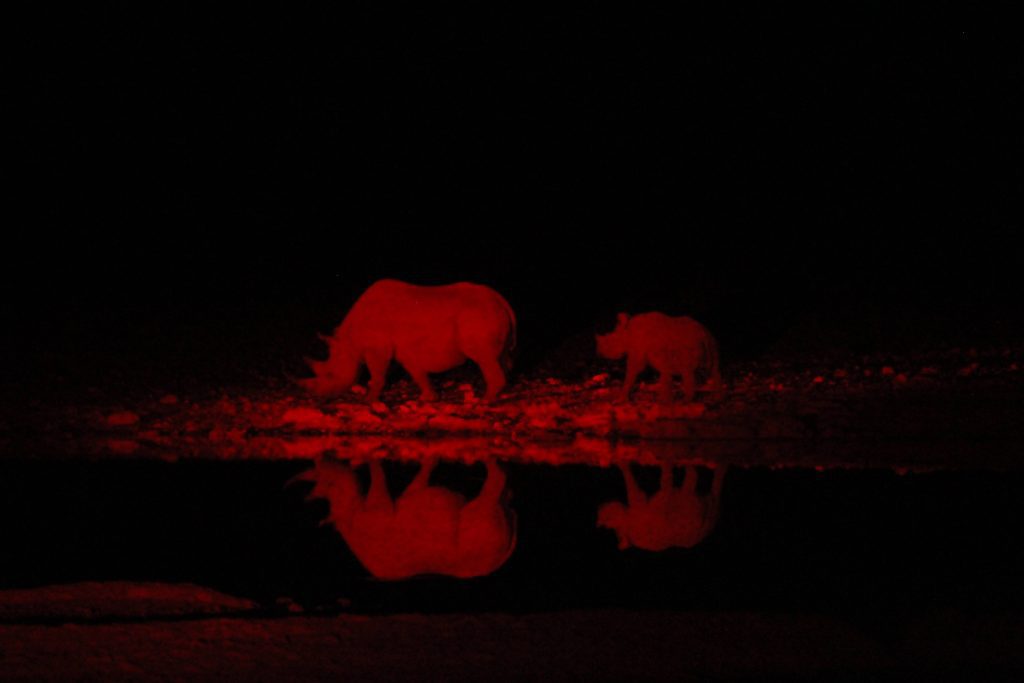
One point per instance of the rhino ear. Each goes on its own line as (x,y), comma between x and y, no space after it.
(623,319)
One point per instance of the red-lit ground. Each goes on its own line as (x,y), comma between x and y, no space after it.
(916,410)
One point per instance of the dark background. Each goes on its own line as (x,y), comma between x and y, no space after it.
(187,186)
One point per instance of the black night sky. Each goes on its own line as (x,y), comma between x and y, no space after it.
(192,176)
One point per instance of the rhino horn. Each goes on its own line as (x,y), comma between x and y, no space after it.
(305,475)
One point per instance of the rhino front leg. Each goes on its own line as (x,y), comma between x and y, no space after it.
(494,485)
(427,392)
(378,498)
(377,362)
(635,497)
(634,365)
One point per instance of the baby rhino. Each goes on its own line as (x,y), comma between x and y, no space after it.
(672,346)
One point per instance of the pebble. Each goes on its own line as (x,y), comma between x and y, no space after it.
(123,418)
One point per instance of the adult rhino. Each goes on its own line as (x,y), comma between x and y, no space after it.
(425,530)
(425,329)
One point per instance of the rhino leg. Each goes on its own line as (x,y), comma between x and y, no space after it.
(665,387)
(634,364)
(689,385)
(666,476)
(377,362)
(494,485)
(494,376)
(422,479)
(690,481)
(378,498)
(635,497)
(427,393)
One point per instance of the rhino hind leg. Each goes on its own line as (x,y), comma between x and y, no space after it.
(689,385)
(494,376)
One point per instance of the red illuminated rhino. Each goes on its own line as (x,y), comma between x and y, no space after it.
(674,517)
(426,530)
(425,329)
(672,346)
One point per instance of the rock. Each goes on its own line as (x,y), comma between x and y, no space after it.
(124,418)
(968,370)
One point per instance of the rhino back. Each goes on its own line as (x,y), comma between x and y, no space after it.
(651,331)
(393,311)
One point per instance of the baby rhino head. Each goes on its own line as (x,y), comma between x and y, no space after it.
(613,345)
(613,516)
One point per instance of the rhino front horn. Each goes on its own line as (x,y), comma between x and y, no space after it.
(305,475)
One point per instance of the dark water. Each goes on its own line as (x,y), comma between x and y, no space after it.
(859,542)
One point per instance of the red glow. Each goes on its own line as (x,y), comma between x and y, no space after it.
(425,329)
(672,346)
(672,517)
(426,530)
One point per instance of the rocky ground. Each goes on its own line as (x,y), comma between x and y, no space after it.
(829,411)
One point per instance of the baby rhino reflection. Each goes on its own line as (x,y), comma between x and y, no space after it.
(672,517)
(426,530)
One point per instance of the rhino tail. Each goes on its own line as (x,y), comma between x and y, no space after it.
(711,360)
(513,523)
(510,343)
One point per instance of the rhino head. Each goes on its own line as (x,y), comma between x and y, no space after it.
(335,375)
(613,516)
(613,345)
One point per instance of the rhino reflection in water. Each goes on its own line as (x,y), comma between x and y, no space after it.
(426,530)
(672,517)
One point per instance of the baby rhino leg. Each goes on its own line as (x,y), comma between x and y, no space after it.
(665,387)
(689,384)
